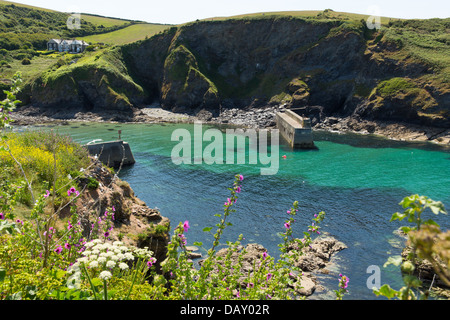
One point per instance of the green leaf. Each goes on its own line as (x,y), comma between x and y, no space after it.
(395,260)
(386,291)
(397,216)
(431,222)
(97,282)
(436,207)
(207,229)
(405,229)
(412,281)
(198,244)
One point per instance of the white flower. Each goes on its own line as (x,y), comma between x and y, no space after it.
(87,252)
(123,266)
(93,264)
(129,256)
(114,258)
(105,275)
(83,259)
(120,256)
(101,259)
(110,264)
(117,243)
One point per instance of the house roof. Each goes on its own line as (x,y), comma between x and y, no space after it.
(68,42)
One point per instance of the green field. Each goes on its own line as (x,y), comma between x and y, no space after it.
(129,34)
(326,14)
(104,21)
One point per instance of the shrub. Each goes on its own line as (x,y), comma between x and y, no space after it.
(26,61)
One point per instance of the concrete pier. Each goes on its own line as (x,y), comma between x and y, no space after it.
(112,153)
(296,130)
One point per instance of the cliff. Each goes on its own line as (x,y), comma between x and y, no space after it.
(399,73)
(135,223)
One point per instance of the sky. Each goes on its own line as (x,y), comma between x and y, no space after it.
(181,11)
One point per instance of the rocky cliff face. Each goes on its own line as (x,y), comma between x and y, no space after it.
(337,66)
(134,222)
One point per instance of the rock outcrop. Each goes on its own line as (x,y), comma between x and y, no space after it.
(134,222)
(314,258)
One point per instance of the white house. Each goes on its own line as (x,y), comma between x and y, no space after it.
(62,45)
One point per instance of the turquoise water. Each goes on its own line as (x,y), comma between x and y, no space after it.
(357,180)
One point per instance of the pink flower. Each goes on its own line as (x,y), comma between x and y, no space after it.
(284,157)
(72,190)
(151,262)
(2,216)
(58,249)
(241,177)
(186,226)
(238,189)
(287,225)
(47,194)
(264,255)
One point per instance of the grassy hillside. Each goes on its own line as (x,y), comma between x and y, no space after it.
(129,34)
(25,30)
(314,14)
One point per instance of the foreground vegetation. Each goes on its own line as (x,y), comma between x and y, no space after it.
(44,257)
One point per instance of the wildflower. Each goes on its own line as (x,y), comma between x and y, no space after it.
(287,225)
(151,262)
(67,246)
(129,256)
(182,238)
(110,264)
(264,255)
(123,266)
(106,234)
(186,226)
(101,259)
(269,275)
(343,281)
(72,190)
(47,194)
(105,275)
(238,189)
(58,249)
(284,156)
(2,216)
(241,177)
(93,264)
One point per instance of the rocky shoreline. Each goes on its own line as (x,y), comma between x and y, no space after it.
(262,117)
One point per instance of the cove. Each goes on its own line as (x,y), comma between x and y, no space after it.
(357,180)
